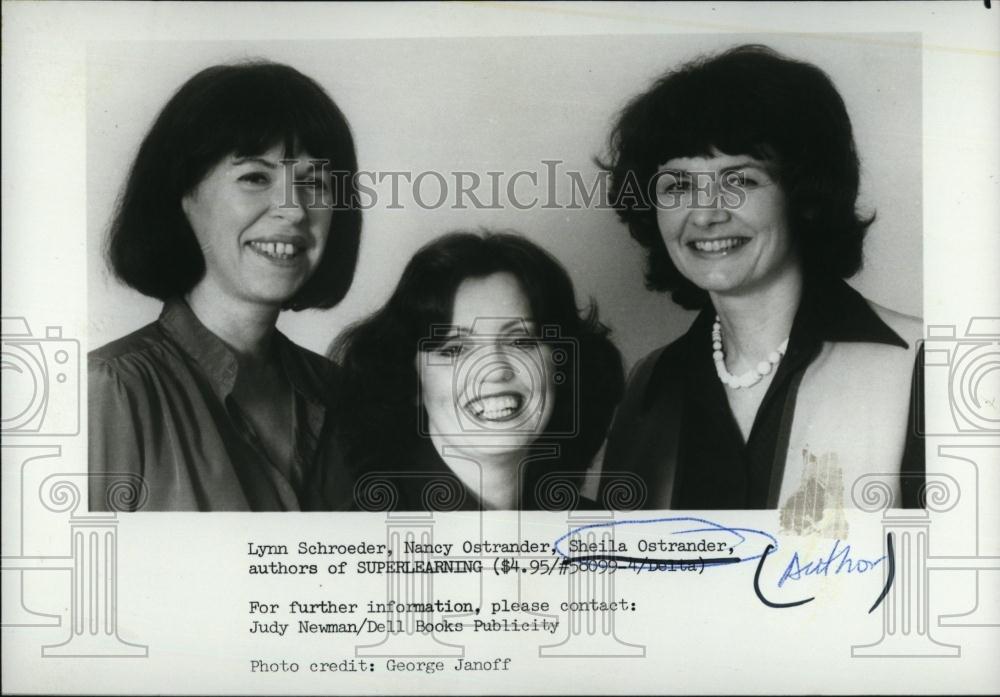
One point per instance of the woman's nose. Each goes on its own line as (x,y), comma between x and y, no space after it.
(500,369)
(707,206)
(704,217)
(289,203)
(710,212)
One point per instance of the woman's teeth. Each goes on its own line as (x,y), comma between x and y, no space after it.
(495,408)
(723,245)
(276,250)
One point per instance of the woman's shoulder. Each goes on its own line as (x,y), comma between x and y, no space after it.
(909,327)
(138,342)
(315,361)
(133,356)
(130,376)
(643,369)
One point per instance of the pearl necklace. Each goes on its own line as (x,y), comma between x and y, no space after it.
(749,378)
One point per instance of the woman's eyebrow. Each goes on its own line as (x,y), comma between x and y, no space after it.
(515,323)
(524,324)
(257,160)
(454,331)
(749,164)
(746,164)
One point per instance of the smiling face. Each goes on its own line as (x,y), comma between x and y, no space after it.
(488,389)
(262,226)
(724,222)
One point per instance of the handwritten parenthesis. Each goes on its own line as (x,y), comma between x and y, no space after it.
(60,496)
(940,495)
(128,492)
(375,492)
(760,595)
(442,494)
(890,576)
(625,492)
(870,493)
(555,492)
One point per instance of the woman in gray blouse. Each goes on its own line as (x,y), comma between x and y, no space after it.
(230,214)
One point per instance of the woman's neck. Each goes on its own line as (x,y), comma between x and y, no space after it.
(493,478)
(246,327)
(754,324)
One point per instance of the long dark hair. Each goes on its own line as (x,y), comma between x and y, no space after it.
(378,356)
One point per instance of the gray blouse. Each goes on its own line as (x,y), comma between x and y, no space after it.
(160,407)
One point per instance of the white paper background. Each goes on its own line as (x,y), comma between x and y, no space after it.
(182,590)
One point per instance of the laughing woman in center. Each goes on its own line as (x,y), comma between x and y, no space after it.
(478,377)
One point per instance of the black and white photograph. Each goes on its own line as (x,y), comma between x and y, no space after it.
(488,280)
(484,295)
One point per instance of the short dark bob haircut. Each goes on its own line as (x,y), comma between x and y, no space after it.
(748,100)
(244,108)
(378,356)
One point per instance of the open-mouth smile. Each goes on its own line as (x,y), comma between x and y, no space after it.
(276,251)
(496,408)
(717,247)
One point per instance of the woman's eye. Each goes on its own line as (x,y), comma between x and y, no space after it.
(676,186)
(256,178)
(525,344)
(451,350)
(746,180)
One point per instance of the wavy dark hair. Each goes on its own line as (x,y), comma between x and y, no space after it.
(748,100)
(244,108)
(378,356)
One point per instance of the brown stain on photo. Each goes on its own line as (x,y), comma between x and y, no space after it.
(817,507)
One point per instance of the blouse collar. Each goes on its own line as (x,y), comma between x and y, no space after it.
(219,363)
(830,311)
